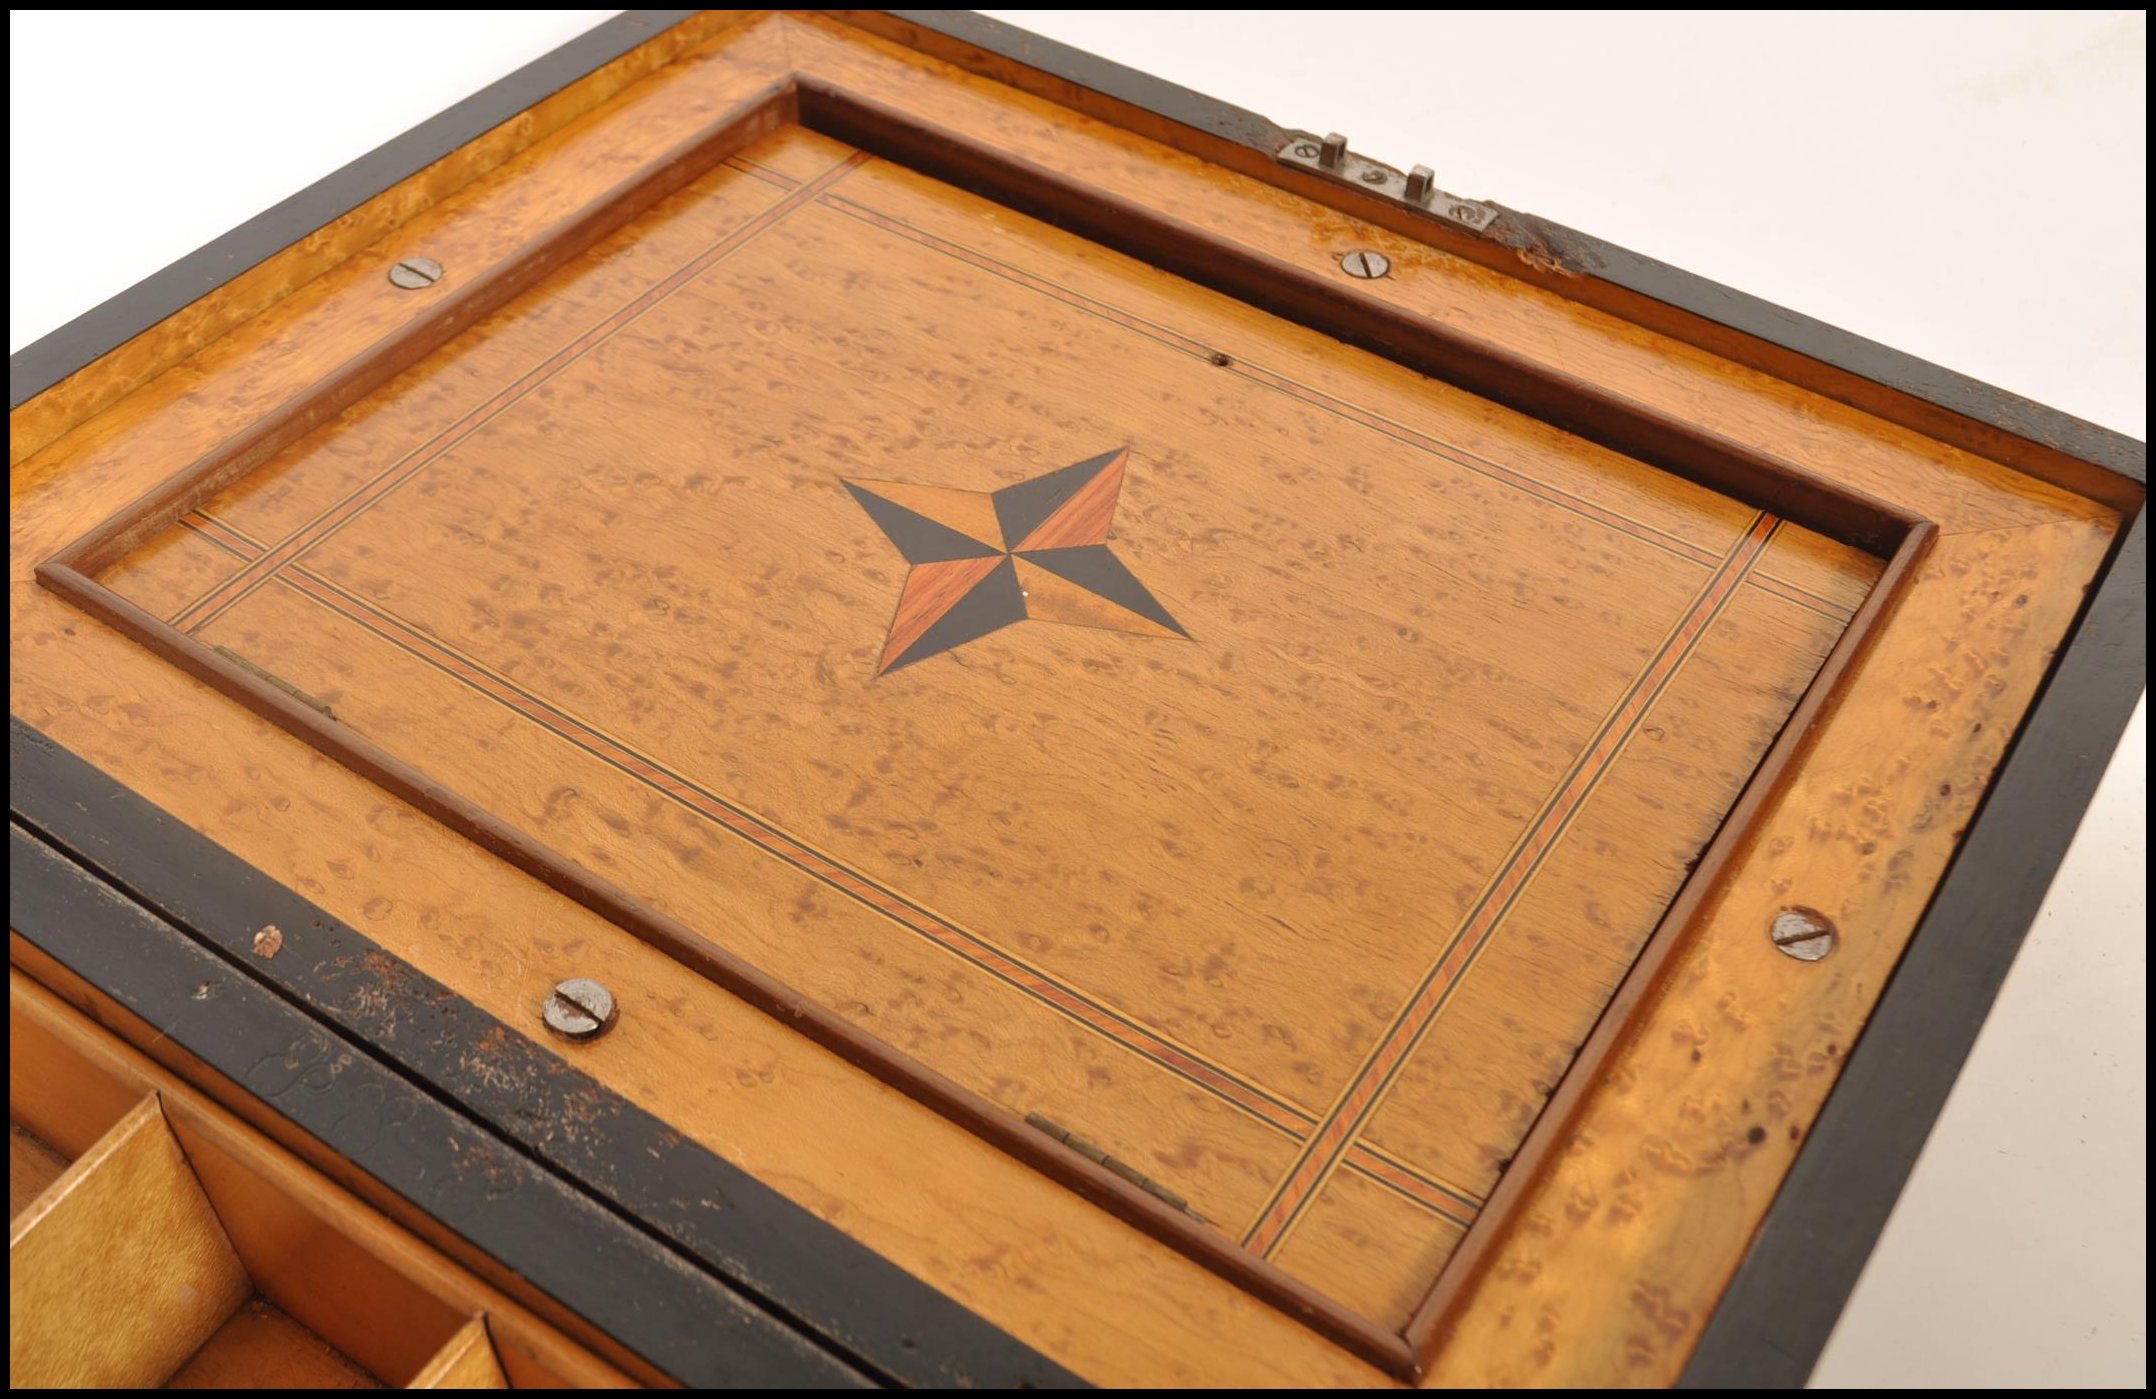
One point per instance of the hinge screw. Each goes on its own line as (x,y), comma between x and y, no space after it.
(1333,151)
(580,1008)
(415,272)
(1366,264)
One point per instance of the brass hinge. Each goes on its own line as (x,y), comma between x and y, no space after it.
(277,681)
(1122,1168)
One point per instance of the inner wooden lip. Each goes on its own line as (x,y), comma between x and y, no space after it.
(1291,293)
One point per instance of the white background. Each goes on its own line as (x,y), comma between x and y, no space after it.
(1969,188)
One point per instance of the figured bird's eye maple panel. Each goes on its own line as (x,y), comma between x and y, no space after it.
(1255,757)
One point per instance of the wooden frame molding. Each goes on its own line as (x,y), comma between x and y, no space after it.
(1621,1222)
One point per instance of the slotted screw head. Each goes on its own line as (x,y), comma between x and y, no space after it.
(1366,264)
(1803,933)
(580,1008)
(412,273)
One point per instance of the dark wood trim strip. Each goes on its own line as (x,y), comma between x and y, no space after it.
(1408,1185)
(626,1286)
(1801,597)
(772,1253)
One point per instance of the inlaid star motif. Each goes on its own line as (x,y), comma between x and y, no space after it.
(982,560)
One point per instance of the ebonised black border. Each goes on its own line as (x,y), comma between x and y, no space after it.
(1779,1308)
(680,1319)
(808,1304)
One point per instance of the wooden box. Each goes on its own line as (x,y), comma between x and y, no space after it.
(1186,759)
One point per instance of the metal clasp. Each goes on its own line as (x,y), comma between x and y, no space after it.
(1417,189)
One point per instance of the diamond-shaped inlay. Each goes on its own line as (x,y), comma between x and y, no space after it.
(982,560)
